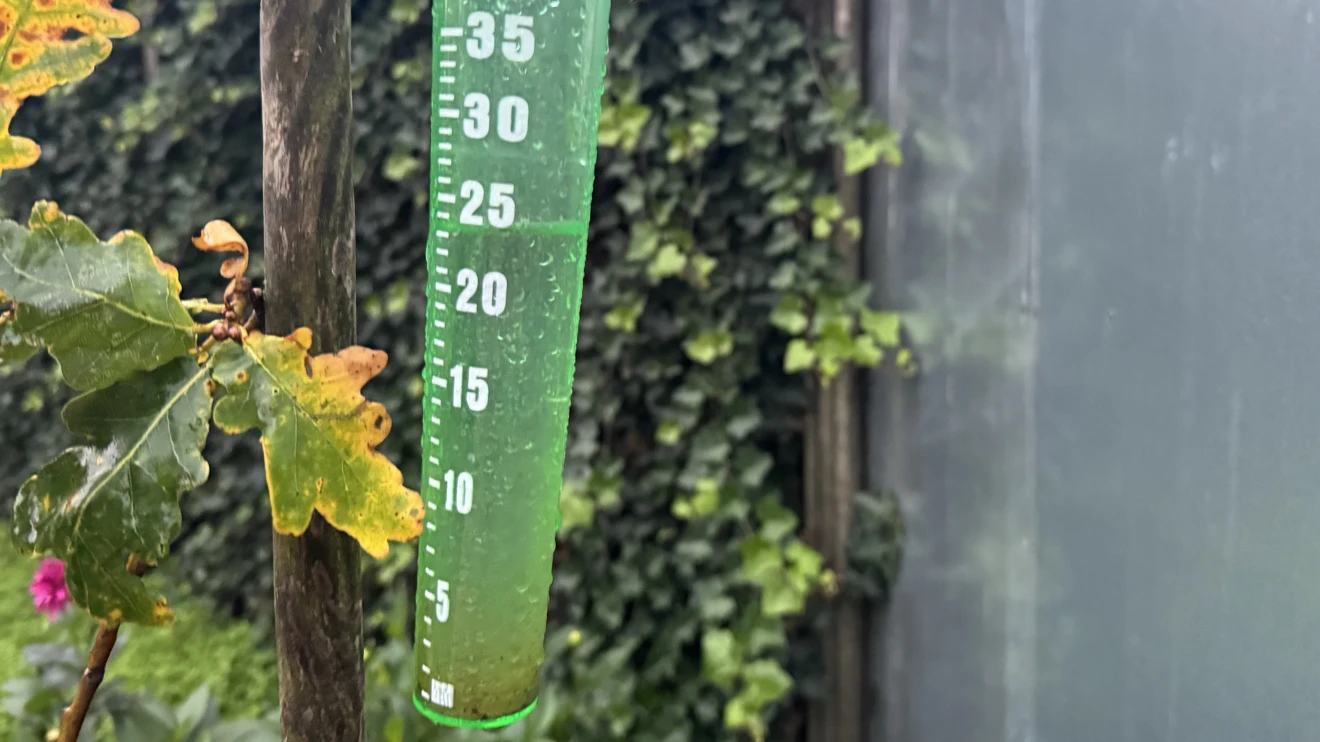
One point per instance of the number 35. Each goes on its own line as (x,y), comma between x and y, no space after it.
(519,41)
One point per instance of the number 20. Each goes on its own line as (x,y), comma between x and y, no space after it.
(519,41)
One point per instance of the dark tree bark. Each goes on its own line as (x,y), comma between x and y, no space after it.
(310,282)
(833,462)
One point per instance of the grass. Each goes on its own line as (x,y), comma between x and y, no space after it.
(168,662)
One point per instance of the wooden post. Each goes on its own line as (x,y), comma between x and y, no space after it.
(310,282)
(833,462)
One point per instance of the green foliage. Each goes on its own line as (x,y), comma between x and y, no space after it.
(168,663)
(118,494)
(714,205)
(106,310)
(111,314)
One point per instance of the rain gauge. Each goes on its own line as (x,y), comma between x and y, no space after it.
(516,87)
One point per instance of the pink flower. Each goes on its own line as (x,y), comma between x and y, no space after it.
(49,593)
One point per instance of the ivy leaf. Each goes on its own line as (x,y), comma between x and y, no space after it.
(827,207)
(783,204)
(624,316)
(575,509)
(766,682)
(790,316)
(707,346)
(220,236)
(15,347)
(319,435)
(668,432)
(37,57)
(104,309)
(885,327)
(799,356)
(721,657)
(668,262)
(118,493)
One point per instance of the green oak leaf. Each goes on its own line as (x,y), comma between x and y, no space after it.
(15,347)
(319,435)
(104,309)
(117,494)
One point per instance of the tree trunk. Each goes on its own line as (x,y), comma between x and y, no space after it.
(833,463)
(310,282)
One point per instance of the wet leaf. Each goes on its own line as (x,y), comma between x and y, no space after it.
(118,492)
(220,236)
(319,435)
(15,347)
(37,56)
(104,309)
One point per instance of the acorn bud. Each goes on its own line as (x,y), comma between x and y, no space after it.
(220,331)
(235,332)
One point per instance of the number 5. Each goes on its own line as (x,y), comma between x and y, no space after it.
(441,601)
(501,205)
(521,43)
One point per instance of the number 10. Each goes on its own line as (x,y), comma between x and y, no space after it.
(458,492)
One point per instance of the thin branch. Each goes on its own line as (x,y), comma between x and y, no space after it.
(71,721)
(203,306)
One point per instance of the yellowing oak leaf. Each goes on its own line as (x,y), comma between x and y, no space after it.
(117,493)
(319,435)
(38,56)
(106,310)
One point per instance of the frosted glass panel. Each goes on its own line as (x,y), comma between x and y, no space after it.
(1109,231)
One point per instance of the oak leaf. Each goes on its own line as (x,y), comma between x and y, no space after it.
(38,55)
(104,309)
(319,436)
(117,493)
(220,236)
(14,346)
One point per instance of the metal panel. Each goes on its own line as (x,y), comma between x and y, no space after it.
(1109,219)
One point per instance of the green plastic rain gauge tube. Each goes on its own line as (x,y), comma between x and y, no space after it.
(516,87)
